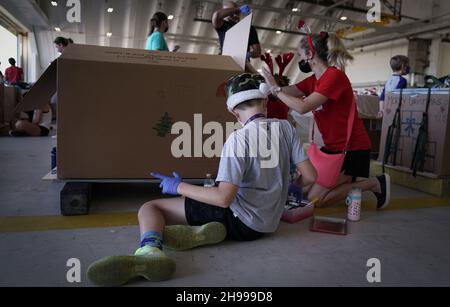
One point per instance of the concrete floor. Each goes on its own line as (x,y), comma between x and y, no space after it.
(411,238)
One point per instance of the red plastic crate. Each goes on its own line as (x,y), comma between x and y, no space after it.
(298,214)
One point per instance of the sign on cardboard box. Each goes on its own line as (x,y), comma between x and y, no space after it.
(414,103)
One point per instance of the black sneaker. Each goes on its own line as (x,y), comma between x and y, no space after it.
(384,198)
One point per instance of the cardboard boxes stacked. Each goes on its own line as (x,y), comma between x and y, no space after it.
(437,163)
(116,107)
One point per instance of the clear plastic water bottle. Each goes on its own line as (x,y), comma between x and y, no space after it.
(209,181)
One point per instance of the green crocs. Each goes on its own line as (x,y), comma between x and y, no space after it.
(181,237)
(148,262)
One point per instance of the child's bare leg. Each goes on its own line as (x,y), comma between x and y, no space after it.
(155,214)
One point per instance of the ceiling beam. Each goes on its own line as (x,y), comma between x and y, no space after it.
(326,9)
(325,3)
(215,41)
(423,29)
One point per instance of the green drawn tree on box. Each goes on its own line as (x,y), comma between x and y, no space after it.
(164,125)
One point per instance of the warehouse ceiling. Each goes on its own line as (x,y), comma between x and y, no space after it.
(276,21)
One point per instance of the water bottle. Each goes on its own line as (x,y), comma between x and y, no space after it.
(53,159)
(209,181)
(354,205)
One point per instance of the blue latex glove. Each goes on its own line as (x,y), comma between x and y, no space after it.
(249,56)
(169,185)
(296,192)
(245,9)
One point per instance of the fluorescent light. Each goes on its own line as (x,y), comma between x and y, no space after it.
(278,32)
(344,18)
(269,51)
(170,17)
(295,9)
(57,29)
(109,34)
(110,10)
(54,3)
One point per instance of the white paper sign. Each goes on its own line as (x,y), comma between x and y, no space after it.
(236,41)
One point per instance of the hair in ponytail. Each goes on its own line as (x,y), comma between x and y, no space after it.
(329,48)
(156,21)
(338,55)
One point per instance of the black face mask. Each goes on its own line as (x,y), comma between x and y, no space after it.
(304,67)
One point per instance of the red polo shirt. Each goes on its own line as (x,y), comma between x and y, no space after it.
(332,116)
(13,74)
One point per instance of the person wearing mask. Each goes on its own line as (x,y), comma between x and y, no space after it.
(13,74)
(329,95)
(226,18)
(159,24)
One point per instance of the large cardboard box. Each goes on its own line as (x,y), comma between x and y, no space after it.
(116,108)
(413,106)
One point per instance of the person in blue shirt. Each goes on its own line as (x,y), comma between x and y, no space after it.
(158,26)
(400,67)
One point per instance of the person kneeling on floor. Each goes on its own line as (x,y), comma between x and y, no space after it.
(247,203)
(40,125)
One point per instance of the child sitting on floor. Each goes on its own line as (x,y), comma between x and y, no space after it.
(247,203)
(40,125)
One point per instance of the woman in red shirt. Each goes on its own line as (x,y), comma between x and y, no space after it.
(329,95)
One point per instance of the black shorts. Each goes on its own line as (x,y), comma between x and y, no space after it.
(356,163)
(198,214)
(44,131)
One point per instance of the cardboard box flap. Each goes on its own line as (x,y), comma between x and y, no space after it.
(139,56)
(41,92)
(236,41)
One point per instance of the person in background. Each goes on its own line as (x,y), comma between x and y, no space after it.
(40,125)
(226,18)
(400,67)
(61,43)
(159,24)
(13,74)
(329,95)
